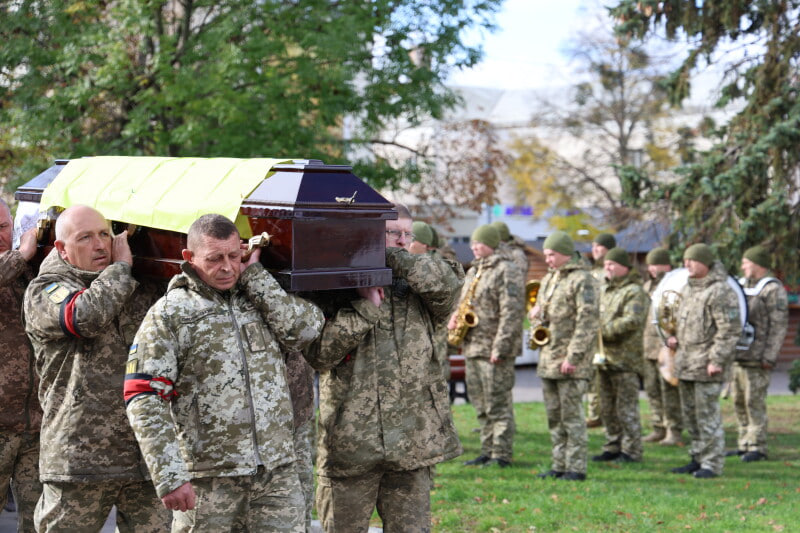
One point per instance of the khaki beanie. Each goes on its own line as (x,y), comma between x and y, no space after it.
(487,235)
(502,229)
(560,242)
(619,255)
(436,243)
(422,232)
(700,252)
(657,256)
(759,256)
(606,239)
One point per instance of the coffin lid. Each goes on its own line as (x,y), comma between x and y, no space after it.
(171,193)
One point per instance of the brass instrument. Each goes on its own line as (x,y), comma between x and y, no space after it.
(539,335)
(465,315)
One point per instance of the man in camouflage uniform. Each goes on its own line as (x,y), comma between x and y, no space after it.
(568,305)
(206,389)
(384,408)
(623,310)
(601,244)
(665,401)
(20,413)
(81,314)
(513,247)
(768,312)
(493,286)
(707,332)
(300,377)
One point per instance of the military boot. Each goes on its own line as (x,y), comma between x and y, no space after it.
(672,438)
(657,435)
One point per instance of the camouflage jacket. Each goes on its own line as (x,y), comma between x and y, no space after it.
(708,326)
(440,345)
(569,307)
(383,398)
(222,356)
(499,303)
(514,250)
(623,313)
(81,324)
(19,405)
(300,377)
(652,340)
(768,312)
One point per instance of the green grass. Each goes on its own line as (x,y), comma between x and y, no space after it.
(761,496)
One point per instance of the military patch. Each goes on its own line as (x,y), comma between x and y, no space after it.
(255,336)
(56,293)
(131,366)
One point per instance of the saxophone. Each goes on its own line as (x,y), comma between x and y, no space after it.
(465,315)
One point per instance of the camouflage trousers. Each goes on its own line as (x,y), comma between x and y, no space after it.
(402,498)
(619,411)
(303,439)
(665,400)
(72,507)
(568,433)
(19,463)
(703,419)
(750,386)
(267,501)
(489,387)
(593,398)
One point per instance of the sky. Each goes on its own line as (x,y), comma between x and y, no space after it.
(524,52)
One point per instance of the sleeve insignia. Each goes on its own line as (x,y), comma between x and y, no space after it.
(131,366)
(56,293)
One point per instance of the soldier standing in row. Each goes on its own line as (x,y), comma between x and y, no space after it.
(707,332)
(600,246)
(495,289)
(20,413)
(81,314)
(768,312)
(384,406)
(206,388)
(664,398)
(567,305)
(623,310)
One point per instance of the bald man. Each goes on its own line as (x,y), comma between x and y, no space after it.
(81,314)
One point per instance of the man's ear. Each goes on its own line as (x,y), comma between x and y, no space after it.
(187,255)
(62,252)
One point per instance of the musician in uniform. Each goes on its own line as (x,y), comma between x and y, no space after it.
(768,313)
(665,401)
(513,247)
(708,329)
(384,416)
(568,305)
(623,311)
(493,288)
(601,244)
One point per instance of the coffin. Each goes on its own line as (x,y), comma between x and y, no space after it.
(326,226)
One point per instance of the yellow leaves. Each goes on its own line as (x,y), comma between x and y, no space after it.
(554,497)
(623,513)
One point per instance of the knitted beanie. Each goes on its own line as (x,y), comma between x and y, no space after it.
(487,235)
(422,232)
(700,252)
(606,239)
(560,242)
(619,255)
(502,229)
(759,256)
(657,256)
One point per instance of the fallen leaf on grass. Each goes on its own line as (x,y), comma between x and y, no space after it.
(777,527)
(478,499)
(703,516)
(505,501)
(687,526)
(761,501)
(747,485)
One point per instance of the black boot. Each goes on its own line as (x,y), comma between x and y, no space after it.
(480,460)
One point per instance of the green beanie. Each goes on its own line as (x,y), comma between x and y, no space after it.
(502,229)
(560,242)
(657,256)
(619,255)
(422,233)
(700,252)
(487,235)
(436,243)
(606,239)
(759,256)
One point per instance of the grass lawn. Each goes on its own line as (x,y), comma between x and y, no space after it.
(761,496)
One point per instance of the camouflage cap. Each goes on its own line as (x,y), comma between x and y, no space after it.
(560,242)
(487,235)
(657,256)
(619,255)
(422,232)
(606,239)
(759,256)
(700,252)
(502,229)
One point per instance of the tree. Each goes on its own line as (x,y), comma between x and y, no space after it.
(585,149)
(746,189)
(239,78)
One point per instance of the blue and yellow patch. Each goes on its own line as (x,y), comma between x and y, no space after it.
(56,293)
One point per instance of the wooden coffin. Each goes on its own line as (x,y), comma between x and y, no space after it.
(326,226)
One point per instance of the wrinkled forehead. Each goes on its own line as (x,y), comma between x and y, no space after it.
(207,245)
(403,224)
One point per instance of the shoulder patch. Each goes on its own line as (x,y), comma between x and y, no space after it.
(56,293)
(131,366)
